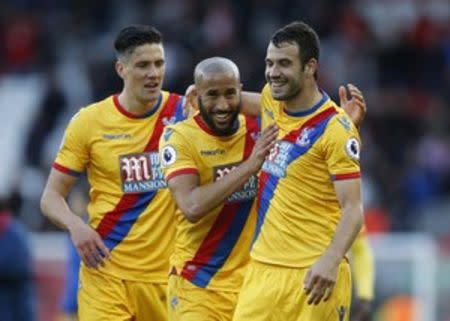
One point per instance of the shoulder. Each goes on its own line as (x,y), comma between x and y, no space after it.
(340,122)
(94,110)
(178,133)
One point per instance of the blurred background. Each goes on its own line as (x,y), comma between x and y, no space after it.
(57,56)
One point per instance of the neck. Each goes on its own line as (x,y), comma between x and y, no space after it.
(305,99)
(134,106)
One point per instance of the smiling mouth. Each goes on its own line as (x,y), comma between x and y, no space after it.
(277,84)
(222,117)
(151,86)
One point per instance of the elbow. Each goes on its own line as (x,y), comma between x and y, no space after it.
(44,204)
(192,213)
(359,217)
(354,214)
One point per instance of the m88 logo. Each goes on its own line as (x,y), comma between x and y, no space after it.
(247,192)
(141,173)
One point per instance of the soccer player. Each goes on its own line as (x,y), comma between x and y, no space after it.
(363,269)
(127,242)
(210,162)
(206,161)
(309,199)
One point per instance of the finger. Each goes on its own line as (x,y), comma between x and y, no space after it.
(307,278)
(96,254)
(311,283)
(185,107)
(83,253)
(317,293)
(342,95)
(357,96)
(328,292)
(352,86)
(104,251)
(268,148)
(92,260)
(87,259)
(91,254)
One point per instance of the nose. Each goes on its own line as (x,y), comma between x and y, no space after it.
(222,104)
(274,72)
(152,71)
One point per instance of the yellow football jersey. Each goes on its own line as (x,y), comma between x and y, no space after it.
(130,206)
(298,210)
(213,252)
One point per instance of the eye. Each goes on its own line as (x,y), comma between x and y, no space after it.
(285,62)
(230,93)
(212,93)
(159,63)
(142,64)
(269,63)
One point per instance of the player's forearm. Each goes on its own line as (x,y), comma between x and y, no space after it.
(56,209)
(346,231)
(203,199)
(251,103)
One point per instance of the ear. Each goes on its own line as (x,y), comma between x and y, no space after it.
(120,68)
(311,67)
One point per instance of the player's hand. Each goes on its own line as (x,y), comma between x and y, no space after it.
(263,146)
(320,280)
(89,245)
(356,106)
(190,106)
(362,311)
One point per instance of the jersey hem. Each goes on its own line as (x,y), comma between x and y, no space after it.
(66,170)
(341,177)
(181,172)
(159,280)
(289,266)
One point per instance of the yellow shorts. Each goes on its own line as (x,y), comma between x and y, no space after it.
(102,297)
(188,302)
(272,293)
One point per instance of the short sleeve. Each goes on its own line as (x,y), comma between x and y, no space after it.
(73,154)
(269,107)
(176,155)
(342,148)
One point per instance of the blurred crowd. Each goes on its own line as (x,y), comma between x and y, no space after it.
(396,51)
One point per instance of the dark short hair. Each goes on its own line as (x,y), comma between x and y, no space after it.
(303,35)
(133,36)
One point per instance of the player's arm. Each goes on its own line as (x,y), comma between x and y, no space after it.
(196,200)
(364,276)
(55,207)
(320,279)
(251,103)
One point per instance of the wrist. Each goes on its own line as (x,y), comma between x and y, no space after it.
(73,222)
(333,256)
(249,168)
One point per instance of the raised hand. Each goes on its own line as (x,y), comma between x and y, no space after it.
(354,107)
(190,106)
(263,146)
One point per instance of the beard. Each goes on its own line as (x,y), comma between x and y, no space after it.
(208,119)
(291,94)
